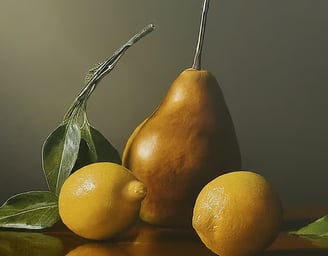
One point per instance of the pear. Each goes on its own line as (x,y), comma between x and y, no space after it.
(186,142)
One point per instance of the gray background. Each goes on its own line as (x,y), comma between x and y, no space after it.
(270,58)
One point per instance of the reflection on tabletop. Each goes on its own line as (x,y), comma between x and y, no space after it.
(146,240)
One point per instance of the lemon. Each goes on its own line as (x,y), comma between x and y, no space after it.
(100,200)
(97,249)
(237,214)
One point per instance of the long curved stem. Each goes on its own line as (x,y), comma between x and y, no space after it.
(198,55)
(105,68)
(109,64)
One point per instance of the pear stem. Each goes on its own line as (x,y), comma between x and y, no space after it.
(198,55)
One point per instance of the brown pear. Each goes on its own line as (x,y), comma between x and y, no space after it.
(187,141)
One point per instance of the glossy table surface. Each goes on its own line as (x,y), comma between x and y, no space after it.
(145,240)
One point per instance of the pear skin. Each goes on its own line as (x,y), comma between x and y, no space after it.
(187,141)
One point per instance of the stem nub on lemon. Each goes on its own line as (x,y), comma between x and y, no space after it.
(100,200)
(237,214)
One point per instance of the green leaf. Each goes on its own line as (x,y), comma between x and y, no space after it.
(30,210)
(317,228)
(59,154)
(94,147)
(28,243)
(103,149)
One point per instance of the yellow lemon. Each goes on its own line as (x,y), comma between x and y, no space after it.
(100,200)
(237,214)
(101,249)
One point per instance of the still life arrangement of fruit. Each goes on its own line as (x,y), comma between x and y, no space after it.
(180,168)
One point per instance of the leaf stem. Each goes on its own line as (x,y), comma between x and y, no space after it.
(104,69)
(197,58)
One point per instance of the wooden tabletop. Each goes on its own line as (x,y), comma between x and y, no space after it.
(146,240)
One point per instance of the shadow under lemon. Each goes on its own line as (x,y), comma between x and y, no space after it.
(146,240)
(141,248)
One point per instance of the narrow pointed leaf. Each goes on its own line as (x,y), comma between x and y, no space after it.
(30,210)
(317,228)
(104,149)
(59,154)
(94,147)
